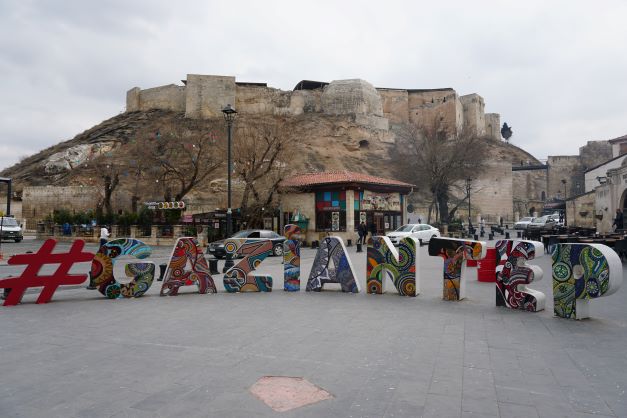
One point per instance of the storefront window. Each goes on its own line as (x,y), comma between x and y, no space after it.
(331,211)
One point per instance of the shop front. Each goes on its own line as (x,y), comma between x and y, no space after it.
(334,203)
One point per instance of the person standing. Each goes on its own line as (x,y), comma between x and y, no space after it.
(361,231)
(373,229)
(104,234)
(618,221)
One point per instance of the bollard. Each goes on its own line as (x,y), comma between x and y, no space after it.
(349,243)
(359,250)
(162,268)
(213,266)
(518,234)
(482,234)
(491,236)
(507,235)
(476,237)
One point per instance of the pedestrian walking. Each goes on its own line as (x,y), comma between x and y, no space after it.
(104,234)
(618,221)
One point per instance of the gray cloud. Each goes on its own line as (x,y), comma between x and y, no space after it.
(554,71)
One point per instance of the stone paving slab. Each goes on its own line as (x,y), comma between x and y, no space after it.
(379,355)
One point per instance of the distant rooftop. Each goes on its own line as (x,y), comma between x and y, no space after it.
(619,139)
(340,177)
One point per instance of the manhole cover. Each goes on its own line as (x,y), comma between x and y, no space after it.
(283,393)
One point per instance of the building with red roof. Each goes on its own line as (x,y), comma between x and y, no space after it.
(334,202)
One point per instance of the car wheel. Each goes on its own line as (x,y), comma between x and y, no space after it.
(278,250)
(18,239)
(433,236)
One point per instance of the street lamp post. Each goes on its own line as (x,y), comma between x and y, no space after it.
(468,183)
(229,116)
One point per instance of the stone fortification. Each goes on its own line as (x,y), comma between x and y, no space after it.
(203,96)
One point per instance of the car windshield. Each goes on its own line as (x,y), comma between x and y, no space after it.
(405,228)
(9,222)
(539,220)
(526,220)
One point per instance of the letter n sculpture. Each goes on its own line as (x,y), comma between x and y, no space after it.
(455,252)
(582,272)
(512,280)
(332,265)
(399,265)
(291,258)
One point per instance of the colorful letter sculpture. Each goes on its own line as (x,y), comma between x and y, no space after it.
(238,277)
(291,258)
(399,265)
(102,275)
(186,253)
(455,252)
(582,272)
(34,262)
(513,277)
(332,265)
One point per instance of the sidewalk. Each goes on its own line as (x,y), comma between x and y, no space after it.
(378,355)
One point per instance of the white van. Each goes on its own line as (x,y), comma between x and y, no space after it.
(10,229)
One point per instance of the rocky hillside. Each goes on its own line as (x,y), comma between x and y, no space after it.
(320,142)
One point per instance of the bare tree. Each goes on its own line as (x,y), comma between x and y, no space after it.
(185,153)
(260,152)
(439,160)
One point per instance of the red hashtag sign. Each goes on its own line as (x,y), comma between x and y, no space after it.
(34,262)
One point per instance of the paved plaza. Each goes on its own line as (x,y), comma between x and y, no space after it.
(193,355)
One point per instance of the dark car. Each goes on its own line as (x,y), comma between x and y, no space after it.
(216,248)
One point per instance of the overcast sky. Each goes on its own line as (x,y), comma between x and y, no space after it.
(556,71)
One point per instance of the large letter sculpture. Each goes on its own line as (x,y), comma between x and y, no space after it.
(399,265)
(102,269)
(34,262)
(513,277)
(582,272)
(455,252)
(238,277)
(187,252)
(332,265)
(291,258)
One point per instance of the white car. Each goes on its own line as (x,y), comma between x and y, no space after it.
(523,223)
(422,232)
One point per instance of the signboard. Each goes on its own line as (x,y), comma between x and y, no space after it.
(165,205)
(381,201)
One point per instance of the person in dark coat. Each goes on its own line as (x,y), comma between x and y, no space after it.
(362,232)
(618,221)
(373,229)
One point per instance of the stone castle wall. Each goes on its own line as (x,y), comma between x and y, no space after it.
(491,193)
(568,168)
(40,201)
(204,96)
(529,191)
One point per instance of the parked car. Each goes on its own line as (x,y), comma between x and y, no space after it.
(543,223)
(216,248)
(422,232)
(523,223)
(10,229)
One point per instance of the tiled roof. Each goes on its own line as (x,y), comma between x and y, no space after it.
(337,177)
